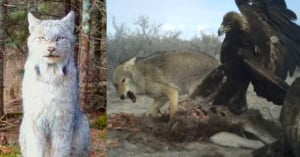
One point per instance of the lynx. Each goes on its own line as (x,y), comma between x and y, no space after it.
(52,124)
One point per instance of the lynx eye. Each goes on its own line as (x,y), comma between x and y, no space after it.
(60,38)
(42,38)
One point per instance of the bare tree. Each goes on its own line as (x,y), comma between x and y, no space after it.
(208,43)
(84,53)
(68,6)
(2,50)
(97,76)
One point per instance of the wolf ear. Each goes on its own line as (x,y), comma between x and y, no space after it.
(130,63)
(32,21)
(69,20)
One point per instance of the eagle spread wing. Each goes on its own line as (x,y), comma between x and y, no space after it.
(274,33)
(261,46)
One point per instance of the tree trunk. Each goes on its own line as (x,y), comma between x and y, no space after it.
(2,50)
(97,70)
(101,54)
(84,54)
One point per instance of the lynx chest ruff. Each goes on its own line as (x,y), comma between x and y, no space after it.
(49,93)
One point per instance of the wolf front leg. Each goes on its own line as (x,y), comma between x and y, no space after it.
(173,95)
(156,105)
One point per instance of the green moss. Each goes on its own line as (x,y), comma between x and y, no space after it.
(43,7)
(21,72)
(14,151)
(17,15)
(100,122)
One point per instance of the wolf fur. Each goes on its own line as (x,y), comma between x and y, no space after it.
(162,76)
(52,124)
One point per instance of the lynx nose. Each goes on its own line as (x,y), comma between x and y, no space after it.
(51,49)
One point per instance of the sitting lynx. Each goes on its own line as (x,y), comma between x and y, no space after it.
(52,125)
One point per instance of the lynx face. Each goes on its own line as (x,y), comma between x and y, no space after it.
(51,41)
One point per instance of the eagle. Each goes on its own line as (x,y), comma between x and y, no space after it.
(262,47)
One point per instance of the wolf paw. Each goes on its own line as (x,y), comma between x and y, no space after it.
(153,112)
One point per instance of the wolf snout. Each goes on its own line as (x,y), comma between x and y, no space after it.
(51,49)
(131,96)
(122,97)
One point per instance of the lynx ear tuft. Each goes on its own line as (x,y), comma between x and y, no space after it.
(32,21)
(69,20)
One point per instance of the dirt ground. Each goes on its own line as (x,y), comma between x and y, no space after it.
(137,139)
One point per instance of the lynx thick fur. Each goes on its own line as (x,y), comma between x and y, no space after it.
(52,124)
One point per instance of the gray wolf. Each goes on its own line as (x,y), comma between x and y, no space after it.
(162,76)
(52,124)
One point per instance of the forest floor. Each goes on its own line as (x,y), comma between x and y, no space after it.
(128,133)
(9,132)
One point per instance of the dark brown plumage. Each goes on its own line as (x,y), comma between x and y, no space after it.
(276,36)
(261,46)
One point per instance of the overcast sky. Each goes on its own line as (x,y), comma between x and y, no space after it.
(190,16)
